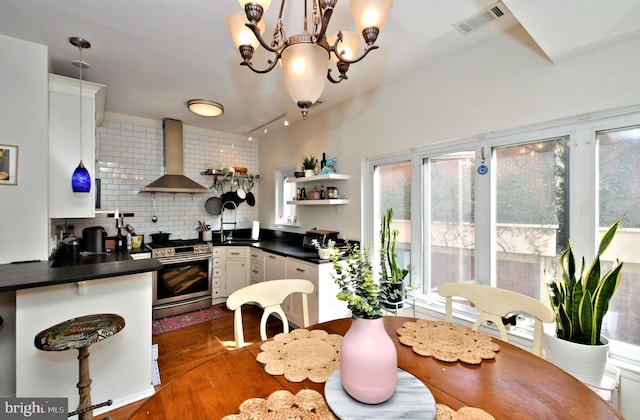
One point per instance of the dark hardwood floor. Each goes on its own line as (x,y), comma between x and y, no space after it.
(181,350)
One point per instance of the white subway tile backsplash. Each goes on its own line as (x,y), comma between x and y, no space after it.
(131,156)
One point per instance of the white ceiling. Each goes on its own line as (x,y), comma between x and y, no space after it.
(154,55)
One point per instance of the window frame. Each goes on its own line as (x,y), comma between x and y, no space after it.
(280,175)
(583,197)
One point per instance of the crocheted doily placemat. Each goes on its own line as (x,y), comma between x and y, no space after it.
(306,404)
(309,404)
(444,412)
(302,354)
(447,342)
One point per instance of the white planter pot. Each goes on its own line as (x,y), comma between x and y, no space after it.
(308,172)
(585,362)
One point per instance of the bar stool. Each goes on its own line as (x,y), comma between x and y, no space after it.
(79,333)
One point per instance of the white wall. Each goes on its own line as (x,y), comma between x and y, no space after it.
(130,156)
(24,123)
(504,83)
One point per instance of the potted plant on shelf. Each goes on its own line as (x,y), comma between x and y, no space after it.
(309,165)
(368,358)
(580,300)
(391,275)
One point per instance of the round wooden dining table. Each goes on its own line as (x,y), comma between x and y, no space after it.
(515,385)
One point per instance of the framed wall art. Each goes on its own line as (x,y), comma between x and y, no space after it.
(8,165)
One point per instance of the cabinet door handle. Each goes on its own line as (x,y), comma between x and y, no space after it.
(235,253)
(300,270)
(273,257)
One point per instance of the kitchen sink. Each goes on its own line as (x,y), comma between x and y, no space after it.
(240,241)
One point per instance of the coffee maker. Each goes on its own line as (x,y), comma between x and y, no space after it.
(93,239)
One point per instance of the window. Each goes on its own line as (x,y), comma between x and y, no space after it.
(545,184)
(392,183)
(285,191)
(619,183)
(449,193)
(531,206)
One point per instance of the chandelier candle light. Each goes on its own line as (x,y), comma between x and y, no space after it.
(305,57)
(81,179)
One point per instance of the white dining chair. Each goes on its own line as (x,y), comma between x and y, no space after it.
(269,295)
(495,303)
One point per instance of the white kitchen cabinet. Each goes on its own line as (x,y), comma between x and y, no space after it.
(236,268)
(329,307)
(319,180)
(323,304)
(216,276)
(275,266)
(64,143)
(256,265)
(298,269)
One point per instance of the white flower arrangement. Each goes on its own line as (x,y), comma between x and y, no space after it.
(329,245)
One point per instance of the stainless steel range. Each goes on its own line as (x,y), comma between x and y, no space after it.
(183,284)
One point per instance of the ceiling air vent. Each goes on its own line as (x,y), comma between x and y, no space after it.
(487,15)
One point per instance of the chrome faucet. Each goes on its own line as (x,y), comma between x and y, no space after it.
(222,222)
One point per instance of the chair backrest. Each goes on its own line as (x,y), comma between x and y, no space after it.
(269,295)
(494,303)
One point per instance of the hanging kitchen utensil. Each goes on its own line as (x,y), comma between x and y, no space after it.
(154,218)
(213,205)
(229,199)
(242,194)
(251,200)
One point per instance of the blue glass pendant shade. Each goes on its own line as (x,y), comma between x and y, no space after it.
(81,180)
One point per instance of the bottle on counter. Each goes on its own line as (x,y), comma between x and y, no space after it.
(129,244)
(120,241)
(323,162)
(303,194)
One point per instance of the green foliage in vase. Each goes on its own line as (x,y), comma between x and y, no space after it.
(580,300)
(357,286)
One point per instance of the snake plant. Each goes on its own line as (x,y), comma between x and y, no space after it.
(581,299)
(389,270)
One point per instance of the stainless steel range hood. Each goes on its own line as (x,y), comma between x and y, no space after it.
(174,181)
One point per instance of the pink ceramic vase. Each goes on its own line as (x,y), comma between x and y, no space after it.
(368,361)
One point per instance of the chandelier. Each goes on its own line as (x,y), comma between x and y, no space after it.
(305,57)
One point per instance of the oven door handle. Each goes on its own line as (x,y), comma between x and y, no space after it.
(183,259)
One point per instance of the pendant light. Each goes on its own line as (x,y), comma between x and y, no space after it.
(81,179)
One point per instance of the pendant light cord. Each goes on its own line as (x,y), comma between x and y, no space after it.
(81,64)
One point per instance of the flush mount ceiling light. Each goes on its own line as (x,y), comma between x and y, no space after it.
(305,57)
(205,107)
(81,179)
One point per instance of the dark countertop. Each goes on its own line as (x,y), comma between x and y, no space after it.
(62,270)
(279,248)
(275,242)
(45,273)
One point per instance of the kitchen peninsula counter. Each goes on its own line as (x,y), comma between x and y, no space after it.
(28,275)
(48,292)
